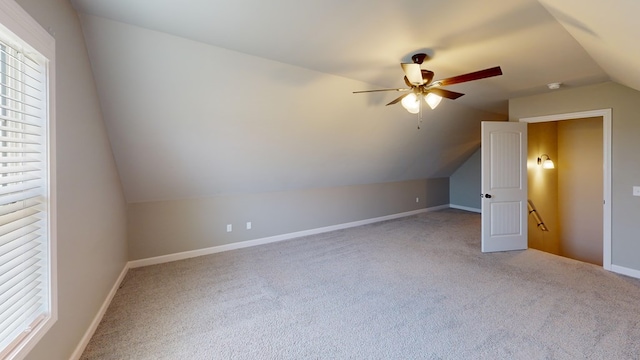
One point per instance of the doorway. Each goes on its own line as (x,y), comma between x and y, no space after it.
(563,196)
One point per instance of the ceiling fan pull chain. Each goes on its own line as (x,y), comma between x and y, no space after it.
(419,115)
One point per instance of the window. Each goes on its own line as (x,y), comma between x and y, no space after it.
(27,184)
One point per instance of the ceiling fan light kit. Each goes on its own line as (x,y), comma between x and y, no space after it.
(411,103)
(554,86)
(432,100)
(421,86)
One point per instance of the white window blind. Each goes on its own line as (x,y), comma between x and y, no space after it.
(25,294)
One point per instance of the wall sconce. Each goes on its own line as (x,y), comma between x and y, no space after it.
(546,164)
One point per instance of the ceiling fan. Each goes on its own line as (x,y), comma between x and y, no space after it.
(421,85)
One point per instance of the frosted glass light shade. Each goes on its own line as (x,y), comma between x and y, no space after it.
(548,164)
(432,100)
(411,103)
(414,110)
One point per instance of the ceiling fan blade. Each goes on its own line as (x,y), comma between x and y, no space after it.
(494,71)
(445,93)
(413,73)
(368,91)
(397,100)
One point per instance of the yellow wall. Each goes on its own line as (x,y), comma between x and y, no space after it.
(569,197)
(543,186)
(580,184)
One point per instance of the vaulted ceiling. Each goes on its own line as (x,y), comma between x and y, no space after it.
(205,97)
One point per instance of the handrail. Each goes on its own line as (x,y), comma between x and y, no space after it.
(536,216)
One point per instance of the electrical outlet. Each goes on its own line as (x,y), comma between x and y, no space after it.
(248,225)
(417,199)
(636,191)
(229,228)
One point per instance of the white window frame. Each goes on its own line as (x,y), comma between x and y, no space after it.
(16,22)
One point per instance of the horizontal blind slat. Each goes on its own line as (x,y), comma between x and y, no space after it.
(21,268)
(18,92)
(13,258)
(17,159)
(18,215)
(6,97)
(14,235)
(30,121)
(20,187)
(30,64)
(19,295)
(23,129)
(9,198)
(30,149)
(6,180)
(13,285)
(23,315)
(19,243)
(12,169)
(21,86)
(20,111)
(27,140)
(19,205)
(16,225)
(32,82)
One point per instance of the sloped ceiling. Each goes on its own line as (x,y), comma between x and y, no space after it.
(608,32)
(203,97)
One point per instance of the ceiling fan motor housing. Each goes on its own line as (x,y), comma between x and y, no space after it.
(418,58)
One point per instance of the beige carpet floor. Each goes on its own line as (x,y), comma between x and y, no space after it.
(412,288)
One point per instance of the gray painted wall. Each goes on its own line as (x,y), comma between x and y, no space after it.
(92,248)
(465,183)
(166,227)
(625,103)
(189,120)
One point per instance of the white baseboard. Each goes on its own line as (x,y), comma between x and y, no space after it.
(272,239)
(216,249)
(626,271)
(96,320)
(466,208)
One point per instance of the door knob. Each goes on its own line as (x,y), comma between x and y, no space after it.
(487,196)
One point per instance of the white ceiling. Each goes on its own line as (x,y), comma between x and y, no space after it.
(575,42)
(209,97)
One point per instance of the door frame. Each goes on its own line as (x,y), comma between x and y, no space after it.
(606,115)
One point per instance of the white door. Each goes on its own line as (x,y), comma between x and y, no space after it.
(504,186)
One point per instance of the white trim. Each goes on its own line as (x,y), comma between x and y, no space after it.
(96,320)
(188,254)
(567,116)
(465,208)
(625,271)
(16,22)
(606,115)
(216,249)
(271,239)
